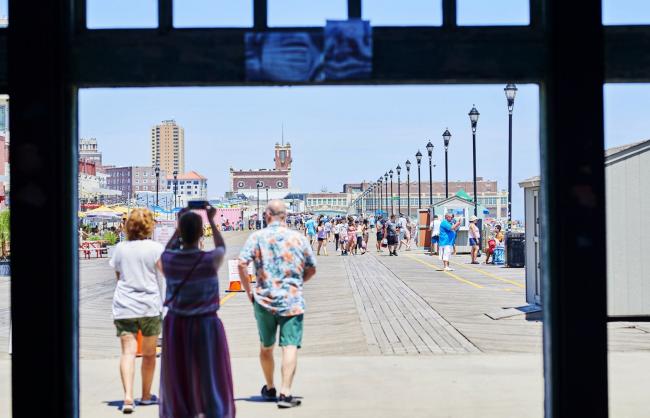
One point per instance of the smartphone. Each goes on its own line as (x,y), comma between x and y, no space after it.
(198,204)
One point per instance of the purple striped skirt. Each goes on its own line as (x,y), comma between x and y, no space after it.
(195,375)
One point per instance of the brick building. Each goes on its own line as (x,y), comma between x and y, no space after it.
(489,196)
(277,179)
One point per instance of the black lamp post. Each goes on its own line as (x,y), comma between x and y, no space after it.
(392,208)
(473,117)
(399,196)
(157,170)
(430,152)
(418,158)
(257,186)
(267,195)
(386,191)
(446,136)
(408,187)
(381,196)
(175,187)
(511,92)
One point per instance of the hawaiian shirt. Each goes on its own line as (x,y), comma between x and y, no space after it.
(280,256)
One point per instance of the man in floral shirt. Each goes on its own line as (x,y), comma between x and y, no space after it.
(283,261)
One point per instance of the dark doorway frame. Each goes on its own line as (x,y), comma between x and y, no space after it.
(47,54)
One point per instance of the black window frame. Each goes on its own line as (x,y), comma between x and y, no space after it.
(47,54)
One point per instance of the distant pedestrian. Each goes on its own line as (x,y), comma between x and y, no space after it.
(195,376)
(380,233)
(137,302)
(392,235)
(447,239)
(310,231)
(283,261)
(474,238)
(321,234)
(352,235)
(435,235)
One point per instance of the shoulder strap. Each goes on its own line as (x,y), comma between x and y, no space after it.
(187,276)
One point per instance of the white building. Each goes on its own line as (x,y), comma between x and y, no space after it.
(189,186)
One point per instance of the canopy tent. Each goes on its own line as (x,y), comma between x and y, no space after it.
(103,212)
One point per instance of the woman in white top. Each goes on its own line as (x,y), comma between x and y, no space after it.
(137,303)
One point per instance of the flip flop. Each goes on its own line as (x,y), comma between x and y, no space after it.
(128,408)
(152,401)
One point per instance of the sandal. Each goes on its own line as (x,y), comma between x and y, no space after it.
(151,401)
(128,408)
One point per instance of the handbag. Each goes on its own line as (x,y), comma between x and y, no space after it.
(384,242)
(187,276)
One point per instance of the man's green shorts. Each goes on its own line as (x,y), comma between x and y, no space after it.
(149,325)
(268,323)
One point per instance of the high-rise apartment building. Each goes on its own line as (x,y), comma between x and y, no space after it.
(4,114)
(168,147)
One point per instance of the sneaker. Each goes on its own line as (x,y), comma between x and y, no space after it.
(288,401)
(269,395)
(448,269)
(128,408)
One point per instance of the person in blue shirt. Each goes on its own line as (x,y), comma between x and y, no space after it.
(310,231)
(447,238)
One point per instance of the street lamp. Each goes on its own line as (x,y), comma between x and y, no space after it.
(258,185)
(408,187)
(430,152)
(399,196)
(392,209)
(157,170)
(511,92)
(175,187)
(381,196)
(446,136)
(418,158)
(386,191)
(473,117)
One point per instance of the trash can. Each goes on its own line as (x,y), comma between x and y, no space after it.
(515,249)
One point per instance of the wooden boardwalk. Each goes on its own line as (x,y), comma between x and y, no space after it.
(395,319)
(364,305)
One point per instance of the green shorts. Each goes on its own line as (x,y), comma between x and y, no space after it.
(149,325)
(267,325)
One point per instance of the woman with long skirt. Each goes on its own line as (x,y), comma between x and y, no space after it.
(195,374)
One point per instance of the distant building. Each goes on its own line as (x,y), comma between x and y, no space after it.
(91,189)
(489,196)
(4,113)
(276,180)
(88,151)
(189,186)
(168,147)
(133,179)
(328,203)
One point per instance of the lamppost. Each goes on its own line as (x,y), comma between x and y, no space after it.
(157,170)
(386,194)
(473,117)
(399,197)
(446,136)
(392,209)
(175,187)
(430,152)
(258,185)
(381,196)
(408,187)
(511,92)
(418,158)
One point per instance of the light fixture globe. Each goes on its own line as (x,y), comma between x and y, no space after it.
(430,149)
(446,136)
(398,169)
(511,92)
(418,157)
(390,173)
(473,116)
(408,165)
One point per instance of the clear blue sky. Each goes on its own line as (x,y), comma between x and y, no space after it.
(339,134)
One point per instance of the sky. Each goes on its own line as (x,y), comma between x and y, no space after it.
(340,134)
